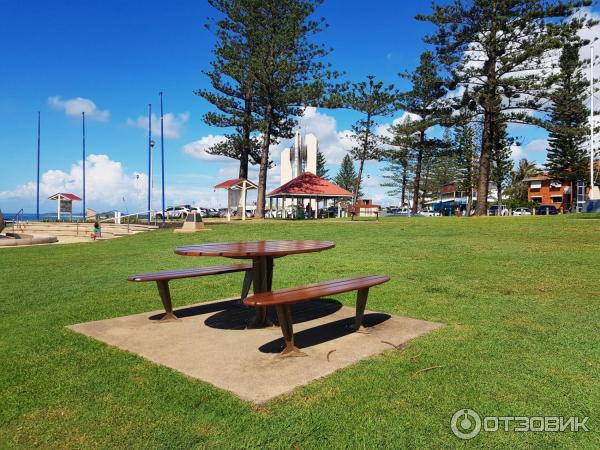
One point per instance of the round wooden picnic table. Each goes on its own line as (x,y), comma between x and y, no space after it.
(262,254)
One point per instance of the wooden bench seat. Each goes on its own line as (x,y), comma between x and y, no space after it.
(282,300)
(162,281)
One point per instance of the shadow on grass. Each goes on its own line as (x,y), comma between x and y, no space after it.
(324,333)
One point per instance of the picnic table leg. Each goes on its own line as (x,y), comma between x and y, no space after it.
(262,276)
(165,296)
(270,265)
(284,316)
(246,285)
(361,303)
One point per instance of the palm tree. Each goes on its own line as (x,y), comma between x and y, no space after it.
(517,190)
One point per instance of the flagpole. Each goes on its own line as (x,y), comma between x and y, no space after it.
(83,124)
(162,157)
(38,170)
(592,122)
(149,161)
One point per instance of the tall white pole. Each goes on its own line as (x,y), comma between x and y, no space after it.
(244,200)
(592,118)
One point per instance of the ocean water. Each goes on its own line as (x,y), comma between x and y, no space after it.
(28,217)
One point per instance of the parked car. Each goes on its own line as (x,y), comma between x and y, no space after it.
(546,209)
(522,212)
(397,211)
(175,212)
(212,212)
(428,213)
(498,210)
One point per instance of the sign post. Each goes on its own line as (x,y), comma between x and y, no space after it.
(64,204)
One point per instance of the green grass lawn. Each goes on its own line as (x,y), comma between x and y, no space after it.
(520,297)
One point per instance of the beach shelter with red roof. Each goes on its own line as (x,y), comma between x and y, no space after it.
(306,188)
(236,193)
(64,203)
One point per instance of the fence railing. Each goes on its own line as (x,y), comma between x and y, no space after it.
(16,221)
(137,217)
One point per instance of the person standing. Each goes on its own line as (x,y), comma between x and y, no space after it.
(97,231)
(309,211)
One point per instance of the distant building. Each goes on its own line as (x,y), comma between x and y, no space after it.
(450,197)
(544,190)
(364,208)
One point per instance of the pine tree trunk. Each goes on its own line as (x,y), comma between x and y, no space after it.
(418,167)
(264,163)
(488,127)
(358,180)
(484,165)
(246,147)
(362,159)
(404,182)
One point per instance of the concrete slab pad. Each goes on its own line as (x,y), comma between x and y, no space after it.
(210,342)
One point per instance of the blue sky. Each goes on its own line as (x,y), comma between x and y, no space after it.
(120,54)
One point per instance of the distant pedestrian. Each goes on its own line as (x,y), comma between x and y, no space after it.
(97,231)
(309,211)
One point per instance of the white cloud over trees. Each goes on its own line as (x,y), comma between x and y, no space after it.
(76,106)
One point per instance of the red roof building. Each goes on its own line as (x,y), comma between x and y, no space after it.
(236,194)
(59,195)
(364,208)
(306,190)
(64,203)
(308,185)
(236,183)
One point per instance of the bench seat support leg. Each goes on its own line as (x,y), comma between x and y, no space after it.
(361,303)
(165,296)
(284,317)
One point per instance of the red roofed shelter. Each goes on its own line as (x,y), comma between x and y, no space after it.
(236,194)
(304,189)
(64,203)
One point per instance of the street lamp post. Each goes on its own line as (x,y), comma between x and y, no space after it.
(83,163)
(38,171)
(152,144)
(149,162)
(162,157)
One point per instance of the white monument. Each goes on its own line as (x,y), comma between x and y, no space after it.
(300,158)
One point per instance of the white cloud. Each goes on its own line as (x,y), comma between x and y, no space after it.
(173,125)
(26,190)
(537,146)
(198,149)
(106,183)
(78,105)
(384,129)
(535,151)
